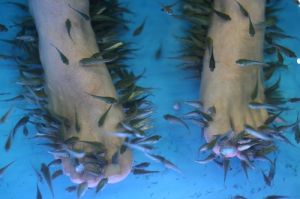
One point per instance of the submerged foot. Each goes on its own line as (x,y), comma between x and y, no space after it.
(95,155)
(230,88)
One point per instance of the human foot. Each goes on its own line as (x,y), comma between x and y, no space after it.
(68,86)
(229,87)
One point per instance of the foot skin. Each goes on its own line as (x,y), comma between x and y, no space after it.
(68,85)
(229,87)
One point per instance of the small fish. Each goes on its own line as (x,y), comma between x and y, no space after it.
(212,63)
(46,174)
(141,165)
(71,188)
(168,8)
(174,119)
(55,162)
(38,175)
(246,14)
(38,192)
(255,91)
(3,28)
(268,179)
(75,153)
(103,117)
(211,110)
(294,100)
(56,174)
(123,134)
(77,125)
(256,105)
(20,123)
(140,28)
(25,130)
(251,28)
(3,169)
(158,52)
(222,15)
(69,26)
(115,158)
(297,134)
(81,189)
(63,58)
(208,146)
(206,160)
(148,140)
(247,62)
(5,116)
(114,46)
(142,171)
(245,167)
(239,197)
(141,147)
(164,161)
(101,184)
(96,61)
(285,50)
(226,163)
(108,100)
(85,16)
(256,133)
(196,104)
(26,38)
(275,197)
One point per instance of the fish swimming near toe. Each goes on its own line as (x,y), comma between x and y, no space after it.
(46,174)
(81,189)
(248,62)
(208,159)
(257,133)
(101,184)
(56,174)
(174,119)
(257,105)
(4,168)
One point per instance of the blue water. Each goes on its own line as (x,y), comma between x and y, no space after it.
(178,145)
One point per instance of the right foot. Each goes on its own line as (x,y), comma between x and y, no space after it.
(229,87)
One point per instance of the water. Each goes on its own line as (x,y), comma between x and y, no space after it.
(180,146)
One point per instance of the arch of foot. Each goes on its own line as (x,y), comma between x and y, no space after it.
(68,86)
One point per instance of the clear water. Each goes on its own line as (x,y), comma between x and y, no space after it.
(171,85)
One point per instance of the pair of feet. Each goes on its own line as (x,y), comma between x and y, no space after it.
(228,87)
